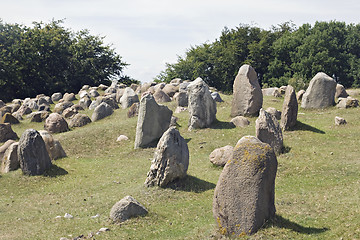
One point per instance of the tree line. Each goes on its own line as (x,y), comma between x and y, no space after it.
(48,58)
(282,55)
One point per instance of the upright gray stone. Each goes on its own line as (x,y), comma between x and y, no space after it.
(128,98)
(10,160)
(6,132)
(247,96)
(202,107)
(153,121)
(126,208)
(320,93)
(268,131)
(171,159)
(289,110)
(245,192)
(101,111)
(33,156)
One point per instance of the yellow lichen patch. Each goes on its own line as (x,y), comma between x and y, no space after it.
(222,229)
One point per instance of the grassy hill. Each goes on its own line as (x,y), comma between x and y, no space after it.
(317,184)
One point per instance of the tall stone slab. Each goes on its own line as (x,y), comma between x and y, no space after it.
(247,94)
(245,192)
(202,107)
(320,93)
(289,110)
(153,121)
(33,156)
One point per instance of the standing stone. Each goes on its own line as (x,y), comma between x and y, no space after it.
(300,95)
(9,118)
(39,116)
(289,110)
(101,111)
(221,156)
(153,121)
(126,208)
(248,98)
(171,159)
(33,156)
(79,120)
(10,160)
(340,91)
(53,146)
(85,102)
(320,93)
(61,106)
(55,123)
(6,132)
(4,147)
(268,131)
(128,98)
(161,97)
(181,99)
(133,110)
(245,192)
(202,107)
(274,112)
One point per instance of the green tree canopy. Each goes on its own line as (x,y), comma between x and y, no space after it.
(48,58)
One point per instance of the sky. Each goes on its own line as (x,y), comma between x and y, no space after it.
(148,34)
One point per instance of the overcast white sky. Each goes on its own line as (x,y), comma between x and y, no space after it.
(148,33)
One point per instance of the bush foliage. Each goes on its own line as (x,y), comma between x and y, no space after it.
(285,52)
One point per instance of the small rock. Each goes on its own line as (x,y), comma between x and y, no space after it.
(68,216)
(96,216)
(340,121)
(122,138)
(104,229)
(58,217)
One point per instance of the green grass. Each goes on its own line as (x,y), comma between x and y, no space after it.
(317,184)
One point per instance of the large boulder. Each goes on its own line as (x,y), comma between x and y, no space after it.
(161,97)
(153,121)
(248,97)
(79,120)
(202,107)
(33,156)
(9,118)
(181,99)
(85,102)
(126,208)
(245,192)
(320,93)
(69,97)
(128,98)
(53,146)
(6,132)
(171,159)
(170,89)
(101,111)
(289,110)
(10,160)
(56,97)
(55,123)
(221,156)
(61,106)
(268,131)
(39,116)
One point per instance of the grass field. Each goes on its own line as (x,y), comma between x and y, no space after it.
(317,184)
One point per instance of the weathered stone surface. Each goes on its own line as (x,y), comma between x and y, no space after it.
(5,146)
(128,98)
(4,110)
(248,98)
(69,97)
(320,93)
(14,107)
(300,95)
(56,97)
(85,87)
(176,81)
(268,131)
(10,160)
(153,121)
(39,116)
(119,94)
(274,91)
(202,107)
(61,106)
(216,96)
(69,112)
(127,208)
(53,146)
(181,99)
(93,93)
(79,120)
(340,121)
(55,123)
(133,110)
(85,102)
(9,118)
(161,97)
(221,156)
(348,102)
(170,89)
(110,100)
(340,91)
(274,112)
(33,156)
(24,110)
(171,159)
(240,121)
(289,110)
(101,111)
(245,192)
(83,94)
(6,132)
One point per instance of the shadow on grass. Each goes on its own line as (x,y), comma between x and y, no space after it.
(305,127)
(191,184)
(286,149)
(282,222)
(55,171)
(222,125)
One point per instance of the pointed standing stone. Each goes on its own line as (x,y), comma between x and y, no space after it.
(289,110)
